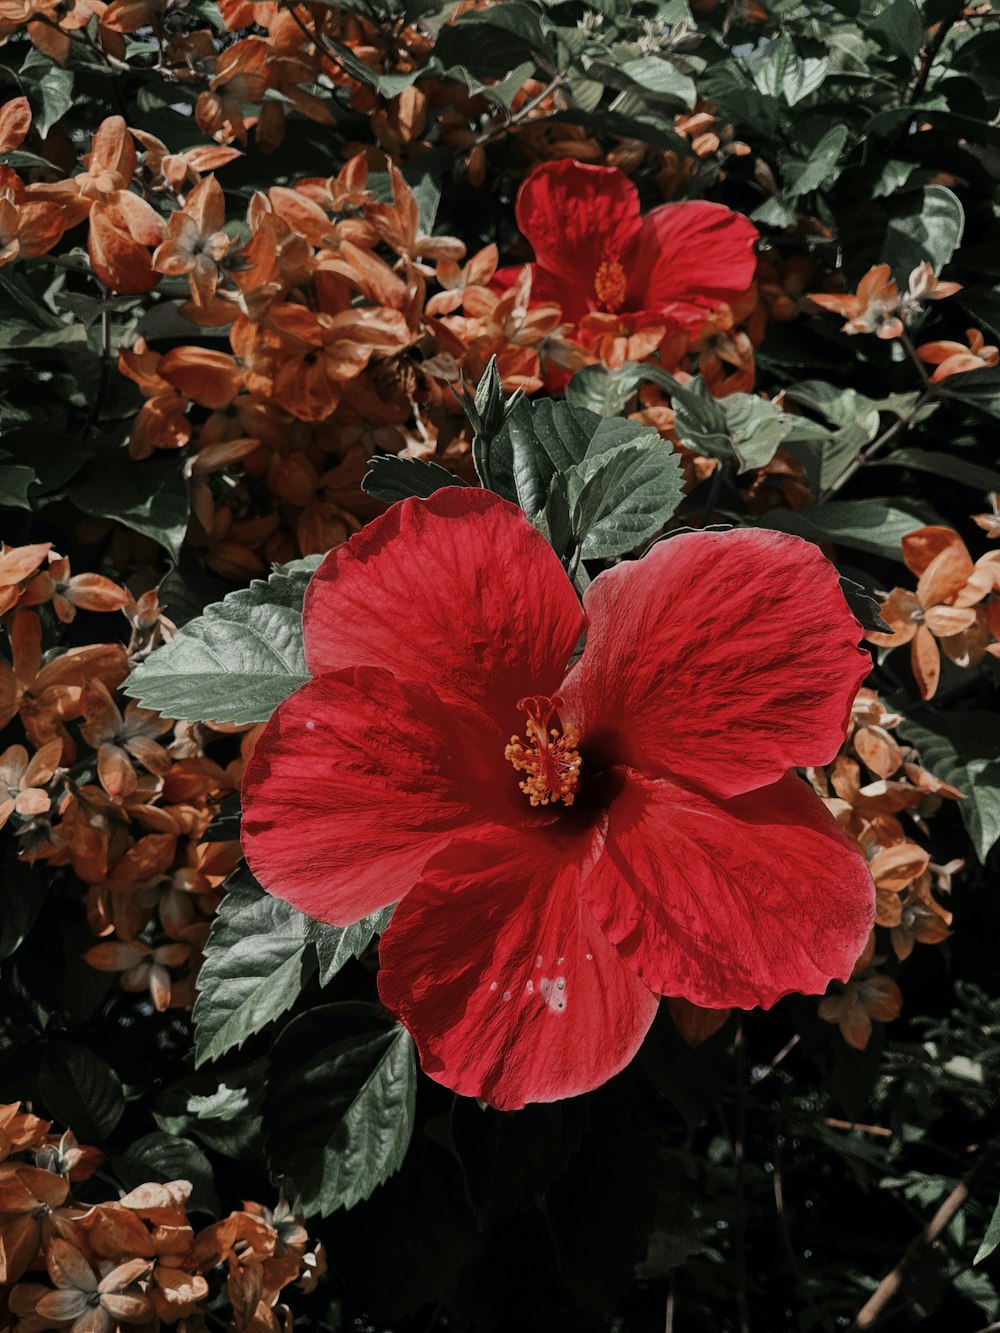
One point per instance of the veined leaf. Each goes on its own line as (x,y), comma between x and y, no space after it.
(233,664)
(624,495)
(877,526)
(964,749)
(257,960)
(336,945)
(339,1106)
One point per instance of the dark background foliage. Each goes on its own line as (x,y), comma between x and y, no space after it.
(771,1176)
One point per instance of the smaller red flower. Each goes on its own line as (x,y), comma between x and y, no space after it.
(595,252)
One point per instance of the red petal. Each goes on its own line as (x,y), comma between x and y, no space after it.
(458,589)
(691,256)
(575,216)
(722,659)
(356,781)
(472,962)
(731,903)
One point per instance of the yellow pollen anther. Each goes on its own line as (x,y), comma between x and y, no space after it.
(610,285)
(549,757)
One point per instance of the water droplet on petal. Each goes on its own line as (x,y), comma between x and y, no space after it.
(538,960)
(590,957)
(506,995)
(493,985)
(530,988)
(310,725)
(561,983)
(560,961)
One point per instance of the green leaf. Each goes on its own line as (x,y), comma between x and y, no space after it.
(900,28)
(48,455)
(80,1090)
(962,749)
(992,1238)
(756,428)
(955,468)
(622,481)
(657,79)
(164,1157)
(233,664)
(392,479)
(876,526)
(15,478)
(48,88)
(257,960)
(339,1106)
(979,389)
(621,497)
(802,175)
(852,421)
(982,304)
(25,888)
(336,945)
(149,497)
(597,389)
(777,69)
(926,226)
(220,1108)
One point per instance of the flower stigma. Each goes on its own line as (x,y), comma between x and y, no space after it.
(548,756)
(610,285)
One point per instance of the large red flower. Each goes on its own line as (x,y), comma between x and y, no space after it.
(594,251)
(564,846)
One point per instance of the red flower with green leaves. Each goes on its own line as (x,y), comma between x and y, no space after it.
(565,843)
(595,251)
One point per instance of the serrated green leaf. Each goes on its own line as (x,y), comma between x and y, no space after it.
(335,945)
(257,959)
(963,749)
(391,479)
(339,1106)
(233,664)
(622,496)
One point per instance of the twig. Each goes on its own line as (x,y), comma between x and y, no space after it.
(931,51)
(892,1284)
(520,115)
(668,1326)
(319,42)
(879,1130)
(768,1070)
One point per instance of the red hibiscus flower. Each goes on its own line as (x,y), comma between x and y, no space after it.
(595,252)
(564,846)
